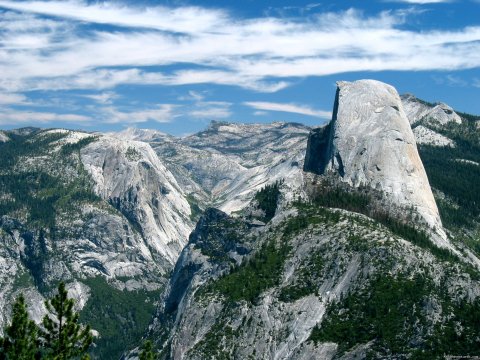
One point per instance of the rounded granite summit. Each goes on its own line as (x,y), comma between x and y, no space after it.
(370,143)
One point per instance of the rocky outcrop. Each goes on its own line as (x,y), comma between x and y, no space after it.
(130,176)
(370,143)
(3,137)
(417,110)
(426,136)
(218,242)
(444,114)
(207,238)
(118,221)
(318,141)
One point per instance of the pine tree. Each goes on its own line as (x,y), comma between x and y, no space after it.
(63,337)
(147,351)
(21,336)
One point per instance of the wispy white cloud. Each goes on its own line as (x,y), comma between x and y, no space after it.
(291,108)
(106,113)
(106,97)
(162,113)
(476,82)
(14,117)
(456,80)
(193,95)
(101,79)
(199,108)
(182,20)
(450,80)
(210,46)
(205,46)
(12,98)
(210,110)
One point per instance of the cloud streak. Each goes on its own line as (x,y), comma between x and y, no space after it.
(162,113)
(106,97)
(58,45)
(14,117)
(182,20)
(12,98)
(212,47)
(210,110)
(290,108)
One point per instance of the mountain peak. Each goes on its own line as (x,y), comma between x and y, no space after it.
(369,143)
(23,131)
(148,135)
(433,113)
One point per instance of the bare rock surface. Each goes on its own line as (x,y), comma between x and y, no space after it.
(130,175)
(3,137)
(196,319)
(417,110)
(226,164)
(426,136)
(370,143)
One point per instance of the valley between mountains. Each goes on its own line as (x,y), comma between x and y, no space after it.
(356,239)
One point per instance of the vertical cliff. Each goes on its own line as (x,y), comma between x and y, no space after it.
(369,143)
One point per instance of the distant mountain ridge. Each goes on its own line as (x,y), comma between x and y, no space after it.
(224,165)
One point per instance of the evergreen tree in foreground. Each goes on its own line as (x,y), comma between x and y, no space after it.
(60,338)
(21,336)
(63,337)
(147,351)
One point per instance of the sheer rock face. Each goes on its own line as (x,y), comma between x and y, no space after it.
(370,143)
(131,234)
(130,176)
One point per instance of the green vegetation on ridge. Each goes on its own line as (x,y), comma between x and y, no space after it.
(267,199)
(386,311)
(121,317)
(448,172)
(249,280)
(336,197)
(391,312)
(36,192)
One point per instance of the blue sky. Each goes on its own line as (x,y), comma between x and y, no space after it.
(176,65)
